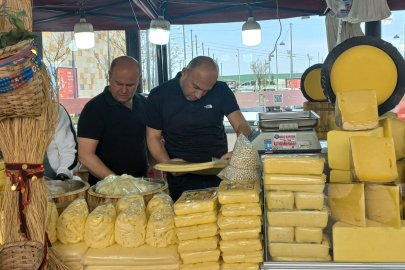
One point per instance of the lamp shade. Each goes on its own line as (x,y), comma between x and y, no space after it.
(84,34)
(159,31)
(251,32)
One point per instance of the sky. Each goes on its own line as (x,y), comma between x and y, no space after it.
(308,38)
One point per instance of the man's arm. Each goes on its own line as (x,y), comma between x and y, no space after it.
(152,162)
(155,145)
(87,156)
(239,123)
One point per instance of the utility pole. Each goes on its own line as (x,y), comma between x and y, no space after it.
(291,58)
(180,68)
(148,60)
(170,60)
(213,56)
(74,70)
(221,71)
(192,48)
(309,60)
(184,46)
(276,68)
(196,46)
(208,52)
(238,68)
(318,57)
(202,44)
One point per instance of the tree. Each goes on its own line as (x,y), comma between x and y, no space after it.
(259,69)
(56,50)
(272,82)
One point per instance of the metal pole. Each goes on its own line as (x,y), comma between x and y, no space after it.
(148,60)
(159,59)
(192,50)
(202,44)
(180,65)
(196,46)
(276,67)
(318,57)
(238,66)
(108,49)
(170,61)
(74,70)
(291,58)
(208,52)
(164,63)
(184,46)
(221,71)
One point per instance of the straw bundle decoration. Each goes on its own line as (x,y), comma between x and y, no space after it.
(5,25)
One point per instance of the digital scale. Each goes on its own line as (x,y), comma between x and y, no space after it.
(286,132)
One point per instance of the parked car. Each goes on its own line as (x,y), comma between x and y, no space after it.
(269,89)
(246,90)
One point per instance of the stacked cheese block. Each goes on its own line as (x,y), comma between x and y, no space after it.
(296,213)
(240,224)
(369,211)
(196,216)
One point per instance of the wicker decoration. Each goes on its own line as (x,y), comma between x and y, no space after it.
(24,255)
(17,5)
(11,50)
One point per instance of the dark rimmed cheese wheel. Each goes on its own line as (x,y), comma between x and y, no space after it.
(311,86)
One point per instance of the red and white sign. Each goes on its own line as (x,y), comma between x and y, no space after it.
(296,83)
(65,82)
(74,106)
(270,99)
(285,139)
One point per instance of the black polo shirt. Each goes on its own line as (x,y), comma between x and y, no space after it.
(193,130)
(120,131)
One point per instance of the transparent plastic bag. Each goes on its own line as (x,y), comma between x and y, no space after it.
(117,185)
(240,266)
(100,225)
(278,200)
(196,201)
(239,192)
(71,252)
(159,200)
(293,164)
(231,173)
(197,231)
(130,226)
(161,231)
(309,201)
(51,221)
(244,155)
(241,245)
(241,209)
(236,234)
(196,219)
(295,259)
(243,257)
(296,218)
(146,186)
(240,222)
(308,235)
(54,189)
(201,266)
(71,223)
(200,256)
(290,179)
(201,244)
(126,201)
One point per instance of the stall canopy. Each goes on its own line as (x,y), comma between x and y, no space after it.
(61,15)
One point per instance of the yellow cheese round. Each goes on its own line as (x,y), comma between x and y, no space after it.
(313,86)
(365,67)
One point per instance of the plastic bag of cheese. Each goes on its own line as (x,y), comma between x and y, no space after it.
(240,266)
(160,231)
(71,252)
(126,201)
(71,223)
(241,209)
(243,257)
(236,234)
(293,164)
(159,200)
(117,185)
(231,192)
(200,256)
(241,245)
(280,234)
(201,266)
(51,221)
(287,199)
(100,226)
(201,244)
(130,225)
(306,250)
(196,201)
(196,219)
(296,218)
(239,222)
(197,231)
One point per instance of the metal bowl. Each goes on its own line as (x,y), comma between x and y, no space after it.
(55,187)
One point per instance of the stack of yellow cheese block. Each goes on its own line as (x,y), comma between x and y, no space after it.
(240,224)
(196,216)
(362,195)
(296,215)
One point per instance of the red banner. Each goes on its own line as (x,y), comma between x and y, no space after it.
(270,99)
(65,82)
(296,83)
(74,106)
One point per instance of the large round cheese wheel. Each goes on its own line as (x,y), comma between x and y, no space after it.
(311,86)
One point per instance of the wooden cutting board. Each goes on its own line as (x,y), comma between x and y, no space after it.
(208,168)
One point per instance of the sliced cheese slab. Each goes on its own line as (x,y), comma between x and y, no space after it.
(196,201)
(280,200)
(201,266)
(309,201)
(243,257)
(295,218)
(197,231)
(240,266)
(339,146)
(240,222)
(239,192)
(383,204)
(303,188)
(340,176)
(346,203)
(237,234)
(241,209)
(374,243)
(373,159)
(200,256)
(300,165)
(280,234)
(178,166)
(172,266)
(356,110)
(400,168)
(308,235)
(295,259)
(395,129)
(300,250)
(241,245)
(195,219)
(71,252)
(200,244)
(290,179)
(119,256)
